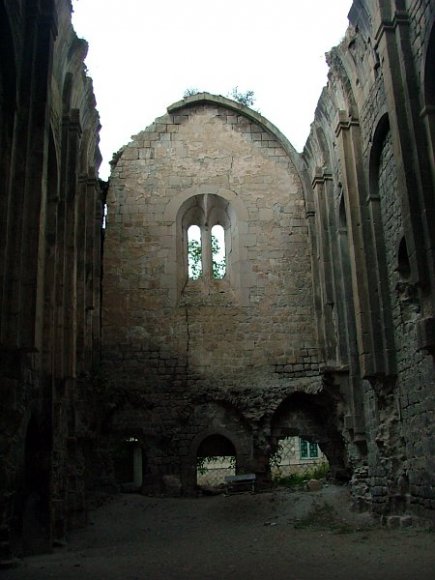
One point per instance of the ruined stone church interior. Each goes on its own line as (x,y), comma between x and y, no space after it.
(120,367)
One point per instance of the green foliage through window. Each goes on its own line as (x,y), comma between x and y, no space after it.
(204,464)
(217,253)
(195,259)
(194,251)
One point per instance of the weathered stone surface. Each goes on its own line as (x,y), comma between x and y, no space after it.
(368,158)
(50,240)
(235,348)
(322,326)
(336,237)
(172,485)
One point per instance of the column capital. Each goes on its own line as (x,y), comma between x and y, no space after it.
(400,18)
(344,122)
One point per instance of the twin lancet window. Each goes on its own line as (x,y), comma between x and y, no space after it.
(208,227)
(206,252)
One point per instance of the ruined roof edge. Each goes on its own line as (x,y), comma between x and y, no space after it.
(201,98)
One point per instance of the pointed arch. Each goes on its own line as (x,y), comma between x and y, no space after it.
(314,419)
(380,132)
(348,101)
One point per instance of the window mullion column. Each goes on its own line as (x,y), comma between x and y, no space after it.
(206,255)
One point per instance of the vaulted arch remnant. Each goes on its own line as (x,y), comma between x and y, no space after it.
(312,418)
(216,459)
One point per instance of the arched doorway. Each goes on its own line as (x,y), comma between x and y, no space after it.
(128,464)
(216,459)
(310,421)
(295,455)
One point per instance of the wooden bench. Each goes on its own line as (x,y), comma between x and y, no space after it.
(239,483)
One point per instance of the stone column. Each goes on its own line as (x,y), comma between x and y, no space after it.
(321,191)
(24,290)
(401,84)
(348,141)
(96,225)
(92,265)
(81,252)
(71,239)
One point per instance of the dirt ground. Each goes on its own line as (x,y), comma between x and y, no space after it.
(273,536)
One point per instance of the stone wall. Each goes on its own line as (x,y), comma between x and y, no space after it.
(49,272)
(323,326)
(244,342)
(327,307)
(370,155)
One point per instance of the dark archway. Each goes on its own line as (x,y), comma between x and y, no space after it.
(224,433)
(128,463)
(314,419)
(382,176)
(216,459)
(32,527)
(216,445)
(403,263)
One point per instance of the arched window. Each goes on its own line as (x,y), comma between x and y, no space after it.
(199,259)
(208,227)
(403,263)
(218,259)
(194,252)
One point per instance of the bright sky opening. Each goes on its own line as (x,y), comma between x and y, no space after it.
(144,55)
